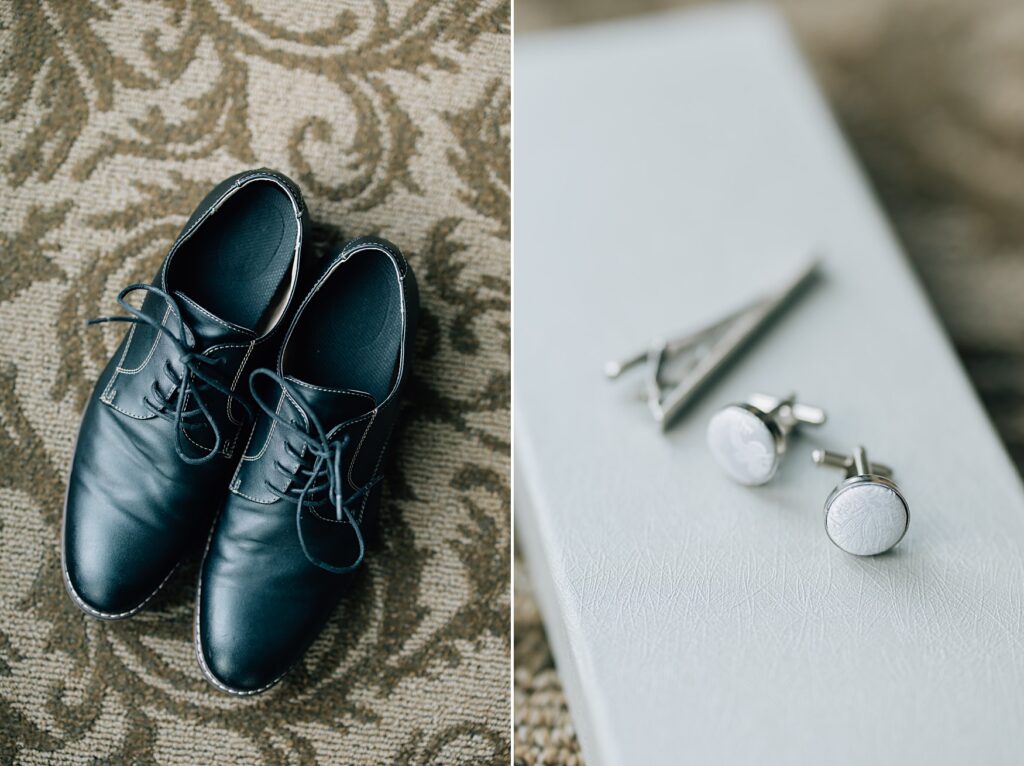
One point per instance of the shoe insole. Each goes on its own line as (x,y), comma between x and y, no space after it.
(349,335)
(235,263)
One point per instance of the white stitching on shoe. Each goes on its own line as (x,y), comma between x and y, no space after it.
(331,390)
(359,448)
(227,325)
(110,403)
(108,392)
(234,383)
(266,445)
(152,349)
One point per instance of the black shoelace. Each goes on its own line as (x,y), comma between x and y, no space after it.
(325,473)
(201,369)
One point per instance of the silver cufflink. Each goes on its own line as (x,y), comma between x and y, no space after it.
(866,514)
(749,440)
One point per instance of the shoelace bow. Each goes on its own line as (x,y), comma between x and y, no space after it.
(325,473)
(197,364)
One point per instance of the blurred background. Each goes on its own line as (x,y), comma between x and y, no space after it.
(930,95)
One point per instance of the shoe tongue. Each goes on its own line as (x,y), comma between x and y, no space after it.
(210,330)
(333,406)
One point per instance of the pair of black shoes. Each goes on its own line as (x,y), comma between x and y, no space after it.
(252,399)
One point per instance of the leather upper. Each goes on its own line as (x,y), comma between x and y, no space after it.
(264,590)
(133,503)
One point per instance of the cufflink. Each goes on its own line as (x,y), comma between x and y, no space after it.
(866,514)
(748,440)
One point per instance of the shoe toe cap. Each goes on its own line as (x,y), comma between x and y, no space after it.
(114,561)
(241,652)
(247,638)
(111,576)
(236,667)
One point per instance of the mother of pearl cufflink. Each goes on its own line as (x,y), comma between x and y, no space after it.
(866,514)
(749,440)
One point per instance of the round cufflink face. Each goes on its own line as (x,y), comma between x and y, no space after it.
(745,444)
(866,515)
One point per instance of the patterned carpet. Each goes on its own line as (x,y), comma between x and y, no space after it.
(393,116)
(931,95)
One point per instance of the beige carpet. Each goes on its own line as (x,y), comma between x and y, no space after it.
(393,116)
(931,95)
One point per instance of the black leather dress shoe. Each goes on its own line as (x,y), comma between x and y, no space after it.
(162,430)
(308,486)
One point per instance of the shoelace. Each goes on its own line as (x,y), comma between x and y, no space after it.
(195,363)
(325,473)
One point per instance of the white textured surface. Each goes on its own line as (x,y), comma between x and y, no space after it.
(742,445)
(666,171)
(866,519)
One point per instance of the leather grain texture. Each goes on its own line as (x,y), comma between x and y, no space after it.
(264,588)
(953,193)
(693,619)
(116,120)
(134,506)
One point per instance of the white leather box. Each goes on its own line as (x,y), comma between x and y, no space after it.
(666,171)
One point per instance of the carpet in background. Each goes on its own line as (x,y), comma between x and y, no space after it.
(393,116)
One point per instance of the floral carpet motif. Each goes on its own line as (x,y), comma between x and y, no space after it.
(393,117)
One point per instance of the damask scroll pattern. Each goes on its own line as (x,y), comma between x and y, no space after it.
(114,121)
